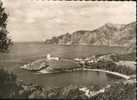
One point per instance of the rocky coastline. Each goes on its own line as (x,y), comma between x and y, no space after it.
(108,34)
(106,63)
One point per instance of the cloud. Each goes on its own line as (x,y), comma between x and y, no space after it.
(40,20)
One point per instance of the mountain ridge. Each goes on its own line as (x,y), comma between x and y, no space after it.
(108,35)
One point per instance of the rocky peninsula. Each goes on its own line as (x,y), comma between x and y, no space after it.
(107,63)
(119,90)
(108,35)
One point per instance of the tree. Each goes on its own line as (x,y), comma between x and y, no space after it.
(4,41)
(8,86)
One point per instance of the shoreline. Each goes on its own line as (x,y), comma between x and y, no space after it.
(94,70)
(110,72)
(128,79)
(44,70)
(108,63)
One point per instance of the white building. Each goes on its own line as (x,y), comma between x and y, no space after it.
(52,58)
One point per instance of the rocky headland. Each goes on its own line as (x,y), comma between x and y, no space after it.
(123,35)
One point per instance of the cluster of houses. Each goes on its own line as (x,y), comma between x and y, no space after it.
(88,59)
(49,57)
(56,64)
(93,59)
(90,93)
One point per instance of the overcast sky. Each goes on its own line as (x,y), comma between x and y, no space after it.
(32,20)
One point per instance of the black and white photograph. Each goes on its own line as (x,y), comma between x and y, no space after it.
(68,50)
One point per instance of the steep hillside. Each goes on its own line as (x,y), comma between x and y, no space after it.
(108,35)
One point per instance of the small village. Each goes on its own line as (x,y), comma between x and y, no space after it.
(67,50)
(55,64)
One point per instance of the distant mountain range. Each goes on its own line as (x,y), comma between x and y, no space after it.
(107,35)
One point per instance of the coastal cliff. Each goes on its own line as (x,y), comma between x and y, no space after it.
(107,35)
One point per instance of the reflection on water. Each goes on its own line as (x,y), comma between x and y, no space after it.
(22,53)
